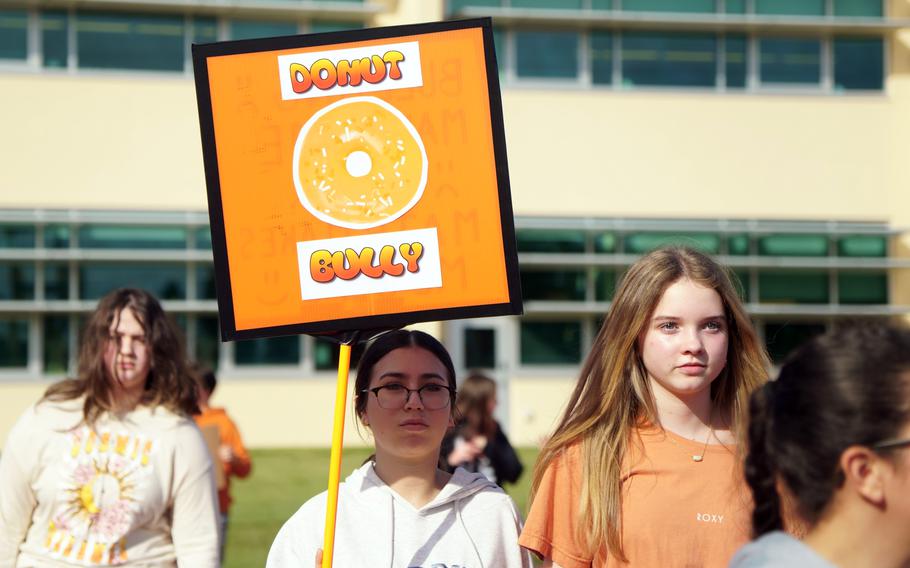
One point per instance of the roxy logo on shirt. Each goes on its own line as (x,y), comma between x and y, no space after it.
(709,518)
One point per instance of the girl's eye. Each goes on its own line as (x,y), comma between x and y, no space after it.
(433,388)
(394,387)
(714,326)
(668,326)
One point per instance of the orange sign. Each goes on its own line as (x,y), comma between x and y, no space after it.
(357,180)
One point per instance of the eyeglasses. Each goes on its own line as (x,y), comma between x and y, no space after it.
(891,444)
(395,396)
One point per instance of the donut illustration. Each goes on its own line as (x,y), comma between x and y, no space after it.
(359,163)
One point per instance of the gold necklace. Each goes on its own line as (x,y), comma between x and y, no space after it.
(695,457)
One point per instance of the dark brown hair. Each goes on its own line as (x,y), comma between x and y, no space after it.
(168,384)
(472,405)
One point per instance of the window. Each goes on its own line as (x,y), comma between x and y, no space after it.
(790,61)
(863,8)
(601,58)
(57,236)
(326,354)
(56,344)
(166,281)
(705,6)
(17,281)
(272,351)
(557,4)
(793,287)
(207,341)
(605,284)
(542,240)
(13,342)
(243,29)
(205,30)
(130,41)
(56,281)
(738,245)
(131,237)
(793,245)
(54,39)
(735,64)
(862,245)
(479,348)
(17,236)
(783,338)
(790,7)
(862,288)
(605,242)
(859,63)
(320,26)
(743,284)
(553,284)
(550,342)
(665,59)
(641,243)
(13,34)
(205,282)
(546,54)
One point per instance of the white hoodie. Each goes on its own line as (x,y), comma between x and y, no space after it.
(472,523)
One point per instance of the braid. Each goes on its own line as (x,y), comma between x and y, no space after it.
(760,469)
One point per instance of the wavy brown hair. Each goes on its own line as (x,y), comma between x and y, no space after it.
(613,395)
(169,383)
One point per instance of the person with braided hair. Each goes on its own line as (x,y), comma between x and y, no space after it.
(829,446)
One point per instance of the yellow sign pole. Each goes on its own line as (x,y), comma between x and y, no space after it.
(331,509)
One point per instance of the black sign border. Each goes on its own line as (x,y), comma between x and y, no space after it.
(229,331)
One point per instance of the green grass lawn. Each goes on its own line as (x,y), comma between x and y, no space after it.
(283,479)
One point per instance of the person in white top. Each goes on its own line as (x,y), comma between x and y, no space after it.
(399,509)
(108,468)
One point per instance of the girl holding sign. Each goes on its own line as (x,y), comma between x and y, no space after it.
(831,435)
(646,453)
(400,509)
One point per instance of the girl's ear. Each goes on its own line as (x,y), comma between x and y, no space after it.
(865,473)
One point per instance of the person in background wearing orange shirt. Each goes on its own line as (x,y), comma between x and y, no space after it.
(646,453)
(233,456)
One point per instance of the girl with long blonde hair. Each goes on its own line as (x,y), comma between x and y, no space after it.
(643,467)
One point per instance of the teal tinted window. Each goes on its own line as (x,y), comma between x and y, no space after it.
(130,41)
(205,30)
(553,4)
(541,240)
(783,338)
(677,59)
(479,348)
(863,245)
(166,281)
(57,236)
(546,54)
(205,282)
(640,243)
(319,26)
(13,34)
(735,65)
(54,39)
(793,245)
(668,5)
(862,288)
(605,242)
(17,236)
(605,284)
(859,63)
(601,58)
(241,29)
(203,238)
(735,6)
(790,60)
(13,342)
(553,284)
(864,8)
(456,5)
(550,342)
(738,245)
(325,354)
(790,7)
(131,237)
(17,280)
(793,287)
(207,340)
(499,46)
(272,351)
(601,4)
(56,281)
(742,283)
(56,344)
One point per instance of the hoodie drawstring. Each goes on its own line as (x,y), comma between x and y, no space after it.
(464,527)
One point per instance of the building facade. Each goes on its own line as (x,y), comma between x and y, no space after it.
(771,133)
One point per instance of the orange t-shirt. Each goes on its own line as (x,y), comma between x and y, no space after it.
(229,436)
(675,511)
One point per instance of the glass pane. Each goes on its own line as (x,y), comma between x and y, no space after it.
(479,348)
(165,281)
(130,41)
(601,4)
(56,344)
(542,240)
(203,238)
(791,7)
(17,236)
(13,343)
(547,54)
(679,59)
(131,237)
(456,5)
(57,236)
(557,4)
(205,282)
(550,342)
(790,61)
(205,30)
(605,284)
(207,340)
(553,284)
(605,242)
(54,39)
(738,245)
(17,280)
(602,58)
(793,287)
(272,351)
(859,63)
(793,245)
(862,245)
(735,6)
(742,283)
(862,288)
(252,29)
(640,243)
(56,281)
(736,61)
(13,34)
(320,26)
(782,338)
(867,8)
(668,5)
(325,354)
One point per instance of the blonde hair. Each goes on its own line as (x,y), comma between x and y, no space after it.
(613,394)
